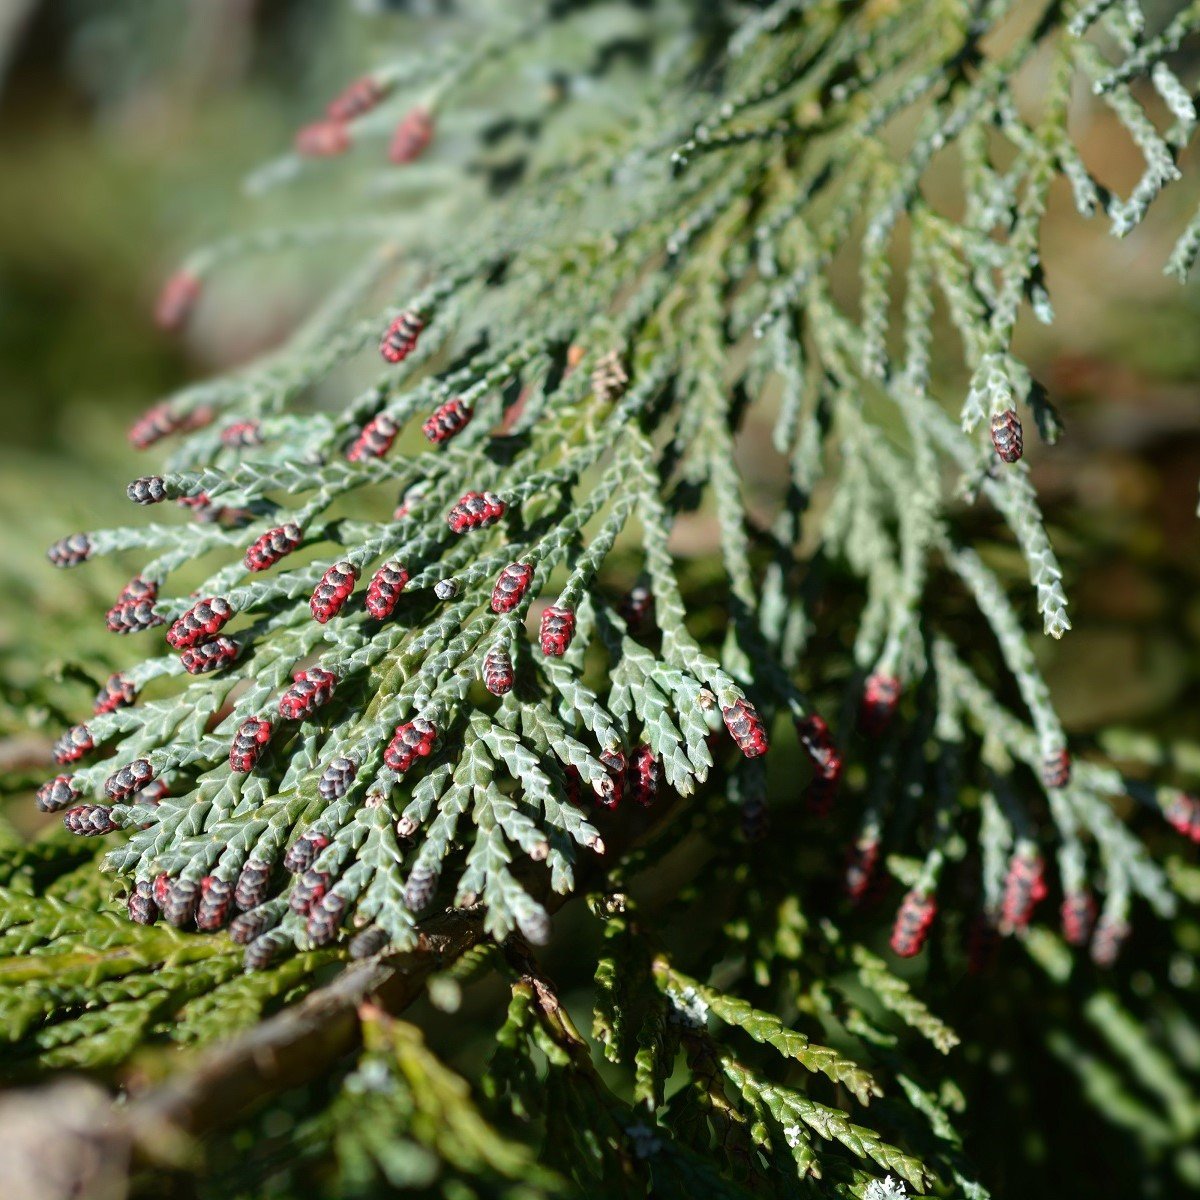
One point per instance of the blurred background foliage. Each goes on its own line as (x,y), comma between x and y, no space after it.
(125,128)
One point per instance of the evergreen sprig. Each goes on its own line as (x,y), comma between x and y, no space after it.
(449,679)
(570,420)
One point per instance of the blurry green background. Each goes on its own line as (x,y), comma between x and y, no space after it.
(125,129)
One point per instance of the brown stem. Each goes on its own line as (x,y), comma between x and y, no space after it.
(295,1046)
(305,1041)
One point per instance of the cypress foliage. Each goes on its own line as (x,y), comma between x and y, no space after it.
(435,686)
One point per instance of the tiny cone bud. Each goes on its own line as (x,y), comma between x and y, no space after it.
(210,656)
(160,422)
(913,923)
(322,139)
(325,917)
(337,777)
(1007,436)
(1078,914)
(860,868)
(498,671)
(475,511)
(511,585)
(57,794)
(204,620)
(128,779)
(1024,889)
(132,616)
(746,728)
(644,775)
(141,906)
(1056,769)
(252,884)
(73,745)
(331,594)
(412,136)
(611,791)
(1111,934)
(273,545)
(308,890)
(355,99)
(384,590)
(447,420)
(89,820)
(303,852)
(400,337)
(1183,815)
(369,942)
(557,630)
(249,743)
(263,951)
(413,740)
(817,743)
(881,694)
(176,300)
(216,903)
(71,550)
(149,489)
(240,435)
(117,692)
(375,439)
(419,889)
(309,691)
(182,899)
(637,609)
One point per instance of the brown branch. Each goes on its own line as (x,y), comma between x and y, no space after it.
(304,1042)
(297,1045)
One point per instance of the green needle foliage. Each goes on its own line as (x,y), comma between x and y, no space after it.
(473,675)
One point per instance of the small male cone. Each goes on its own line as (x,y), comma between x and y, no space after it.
(356,98)
(1024,889)
(400,337)
(881,695)
(337,777)
(375,439)
(149,489)
(73,745)
(412,136)
(331,593)
(210,656)
(266,550)
(413,740)
(116,692)
(447,420)
(71,550)
(913,923)
(746,728)
(89,820)
(498,671)
(128,779)
(322,139)
(204,620)
(383,592)
(248,744)
(511,585)
(1007,436)
(57,794)
(310,690)
(557,630)
(476,510)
